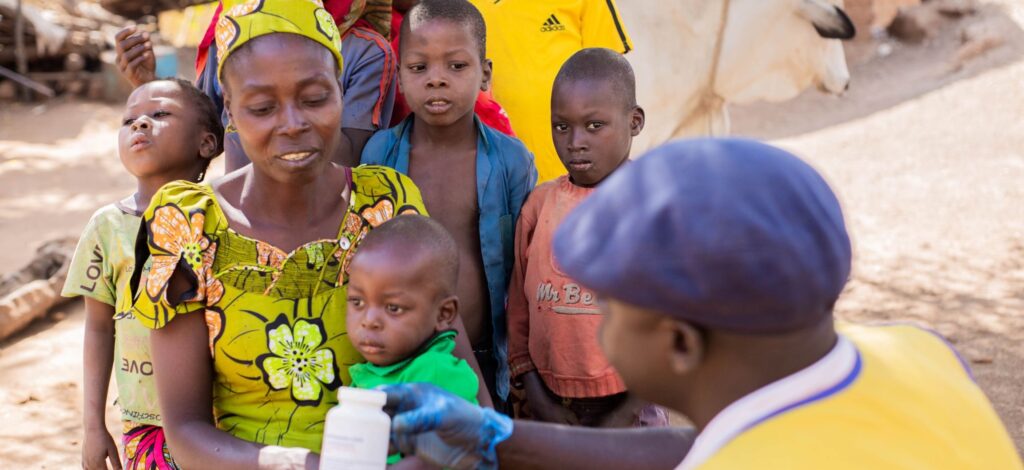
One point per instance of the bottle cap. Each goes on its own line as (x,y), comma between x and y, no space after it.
(361,395)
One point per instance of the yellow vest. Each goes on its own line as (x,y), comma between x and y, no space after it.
(528,41)
(913,405)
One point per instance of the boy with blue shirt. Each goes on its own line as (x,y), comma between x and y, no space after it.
(474,179)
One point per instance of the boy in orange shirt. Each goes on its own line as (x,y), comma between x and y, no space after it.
(553,321)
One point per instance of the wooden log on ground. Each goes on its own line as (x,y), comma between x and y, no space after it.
(27,294)
(28,303)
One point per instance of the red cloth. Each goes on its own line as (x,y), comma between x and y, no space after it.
(552,320)
(490,112)
(204,45)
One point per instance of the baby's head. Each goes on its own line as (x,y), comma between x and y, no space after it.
(594,115)
(401,288)
(442,60)
(170,130)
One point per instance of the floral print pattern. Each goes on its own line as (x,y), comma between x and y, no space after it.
(211,289)
(315,257)
(270,256)
(298,360)
(145,447)
(275,320)
(214,325)
(174,238)
(379,213)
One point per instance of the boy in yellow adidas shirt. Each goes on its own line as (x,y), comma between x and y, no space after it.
(528,41)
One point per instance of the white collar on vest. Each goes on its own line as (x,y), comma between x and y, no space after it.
(830,374)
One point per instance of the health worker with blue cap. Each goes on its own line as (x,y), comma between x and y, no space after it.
(719,262)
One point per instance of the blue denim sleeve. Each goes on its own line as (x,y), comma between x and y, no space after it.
(369,81)
(522,179)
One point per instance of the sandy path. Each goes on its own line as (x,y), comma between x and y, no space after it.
(41,395)
(928,164)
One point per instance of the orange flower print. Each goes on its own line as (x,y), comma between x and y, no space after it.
(225,33)
(174,238)
(246,8)
(212,288)
(269,255)
(379,213)
(352,223)
(214,325)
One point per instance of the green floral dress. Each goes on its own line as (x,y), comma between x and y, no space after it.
(276,320)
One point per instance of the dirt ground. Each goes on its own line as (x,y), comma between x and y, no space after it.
(927,159)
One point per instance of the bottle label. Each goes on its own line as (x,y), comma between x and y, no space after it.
(353,452)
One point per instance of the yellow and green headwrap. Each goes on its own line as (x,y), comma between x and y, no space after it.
(245,20)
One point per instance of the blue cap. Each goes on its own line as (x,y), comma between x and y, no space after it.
(731,234)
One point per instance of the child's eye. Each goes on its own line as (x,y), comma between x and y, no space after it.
(561,127)
(459,65)
(355,302)
(593,126)
(417,67)
(127,121)
(160,114)
(392,308)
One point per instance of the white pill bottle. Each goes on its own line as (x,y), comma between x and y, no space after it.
(356,432)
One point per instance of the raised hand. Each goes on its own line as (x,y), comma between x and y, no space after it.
(135,57)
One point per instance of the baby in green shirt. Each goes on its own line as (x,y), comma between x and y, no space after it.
(401,307)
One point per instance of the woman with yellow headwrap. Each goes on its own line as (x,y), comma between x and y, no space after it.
(246,295)
(369,83)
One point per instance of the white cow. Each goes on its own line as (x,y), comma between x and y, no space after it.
(769,50)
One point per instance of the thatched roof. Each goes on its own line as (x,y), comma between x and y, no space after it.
(54,28)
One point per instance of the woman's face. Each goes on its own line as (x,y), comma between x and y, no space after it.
(283,97)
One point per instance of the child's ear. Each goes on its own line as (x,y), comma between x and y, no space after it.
(208,146)
(446,313)
(688,346)
(637,120)
(488,70)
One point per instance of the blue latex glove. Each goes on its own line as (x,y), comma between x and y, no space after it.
(443,429)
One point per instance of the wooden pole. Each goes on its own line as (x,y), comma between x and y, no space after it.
(19,48)
(30,84)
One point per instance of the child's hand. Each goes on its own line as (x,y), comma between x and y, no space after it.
(97,448)
(135,57)
(543,406)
